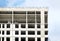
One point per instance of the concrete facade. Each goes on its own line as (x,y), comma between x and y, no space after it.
(23,24)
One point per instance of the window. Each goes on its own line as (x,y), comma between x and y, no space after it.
(16,26)
(38,12)
(31,12)
(19,18)
(19,12)
(31,39)
(8,25)
(31,32)
(23,39)
(31,26)
(8,39)
(38,32)
(38,25)
(2,38)
(46,39)
(23,32)
(0,25)
(31,18)
(46,26)
(46,12)
(8,32)
(46,18)
(38,39)
(2,32)
(16,32)
(46,32)
(5,12)
(16,39)
(38,18)
(3,26)
(23,26)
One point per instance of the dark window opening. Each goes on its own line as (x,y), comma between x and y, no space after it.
(38,39)
(16,26)
(46,32)
(23,26)
(38,25)
(8,32)
(38,18)
(2,32)
(46,12)
(46,26)
(31,18)
(23,32)
(8,25)
(3,26)
(8,39)
(0,25)
(2,38)
(46,39)
(38,32)
(23,39)
(31,39)
(38,12)
(46,19)
(19,12)
(16,32)
(31,32)
(31,12)
(31,26)
(16,39)
(5,12)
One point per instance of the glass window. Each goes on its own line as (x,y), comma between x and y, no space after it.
(46,18)
(23,39)
(5,12)
(0,25)
(3,26)
(31,26)
(31,32)
(8,39)
(2,32)
(2,38)
(46,26)
(38,25)
(46,12)
(31,18)
(8,25)
(38,18)
(16,32)
(31,12)
(16,39)
(8,32)
(38,32)
(31,39)
(38,12)
(23,26)
(23,32)
(38,39)
(16,26)
(19,12)
(46,32)
(46,39)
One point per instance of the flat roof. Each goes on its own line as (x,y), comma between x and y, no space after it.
(24,9)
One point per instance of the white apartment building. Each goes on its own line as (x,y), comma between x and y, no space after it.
(23,24)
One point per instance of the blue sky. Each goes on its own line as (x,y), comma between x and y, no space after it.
(54,13)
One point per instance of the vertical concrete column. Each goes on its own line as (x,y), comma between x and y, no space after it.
(42,25)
